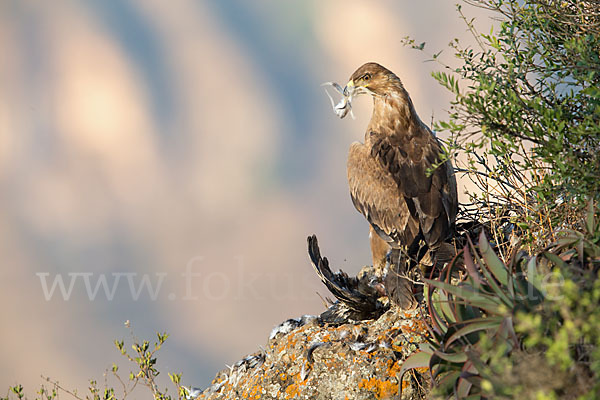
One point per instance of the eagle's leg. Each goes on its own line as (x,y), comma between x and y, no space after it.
(398,285)
(380,250)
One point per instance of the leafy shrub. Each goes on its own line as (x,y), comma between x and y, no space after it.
(144,359)
(532,97)
(526,111)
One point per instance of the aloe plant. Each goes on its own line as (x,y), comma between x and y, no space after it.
(484,302)
(477,323)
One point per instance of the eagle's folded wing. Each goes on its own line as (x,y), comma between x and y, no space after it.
(406,160)
(375,195)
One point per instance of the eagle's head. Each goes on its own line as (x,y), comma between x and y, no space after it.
(371,78)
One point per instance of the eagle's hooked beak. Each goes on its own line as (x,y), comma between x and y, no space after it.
(349,89)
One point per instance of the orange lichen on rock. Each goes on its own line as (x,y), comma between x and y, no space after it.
(405,384)
(381,389)
(422,370)
(292,391)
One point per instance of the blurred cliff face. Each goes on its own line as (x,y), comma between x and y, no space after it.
(165,163)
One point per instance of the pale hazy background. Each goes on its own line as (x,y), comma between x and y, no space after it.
(141,137)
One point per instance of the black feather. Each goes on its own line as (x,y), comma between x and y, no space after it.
(356,299)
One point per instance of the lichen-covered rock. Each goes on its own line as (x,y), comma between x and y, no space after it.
(315,361)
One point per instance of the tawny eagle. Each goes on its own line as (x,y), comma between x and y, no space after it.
(395,177)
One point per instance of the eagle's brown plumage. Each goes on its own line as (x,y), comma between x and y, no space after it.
(387,174)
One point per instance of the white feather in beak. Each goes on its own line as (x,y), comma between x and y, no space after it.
(344,106)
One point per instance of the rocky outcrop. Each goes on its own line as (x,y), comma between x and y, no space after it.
(353,350)
(308,359)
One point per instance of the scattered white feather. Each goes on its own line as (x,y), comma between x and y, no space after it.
(356,346)
(305,371)
(192,392)
(291,324)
